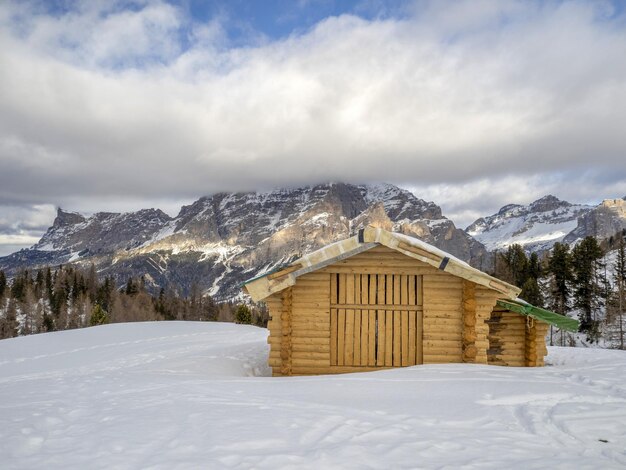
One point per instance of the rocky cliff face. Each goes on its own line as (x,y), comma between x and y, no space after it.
(604,221)
(219,241)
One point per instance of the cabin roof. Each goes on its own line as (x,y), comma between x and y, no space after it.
(524,308)
(270,283)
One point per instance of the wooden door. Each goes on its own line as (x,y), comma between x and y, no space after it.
(375,320)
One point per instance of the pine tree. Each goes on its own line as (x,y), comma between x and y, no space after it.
(619,275)
(39,284)
(131,287)
(3,284)
(8,324)
(243,315)
(98,316)
(560,279)
(516,263)
(587,289)
(18,288)
(531,292)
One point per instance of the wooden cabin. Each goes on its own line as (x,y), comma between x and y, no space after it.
(381,299)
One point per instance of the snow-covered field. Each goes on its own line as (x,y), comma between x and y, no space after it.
(192,395)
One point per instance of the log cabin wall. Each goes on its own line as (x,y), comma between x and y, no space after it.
(375,310)
(516,340)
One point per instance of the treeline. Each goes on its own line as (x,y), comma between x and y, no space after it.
(68,297)
(587,281)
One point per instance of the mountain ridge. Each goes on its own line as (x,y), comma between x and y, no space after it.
(218,241)
(540,224)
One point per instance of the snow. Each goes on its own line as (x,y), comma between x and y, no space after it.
(195,395)
(534,230)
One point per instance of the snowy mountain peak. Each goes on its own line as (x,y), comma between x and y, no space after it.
(548,203)
(536,226)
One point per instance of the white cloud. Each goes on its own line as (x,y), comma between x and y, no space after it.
(112,104)
(22,226)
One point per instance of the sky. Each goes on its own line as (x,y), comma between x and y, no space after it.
(112,105)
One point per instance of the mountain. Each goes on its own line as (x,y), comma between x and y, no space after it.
(604,221)
(221,240)
(539,225)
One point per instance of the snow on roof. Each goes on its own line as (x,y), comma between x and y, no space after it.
(270,283)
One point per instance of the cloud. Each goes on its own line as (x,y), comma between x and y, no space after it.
(106,102)
(22,226)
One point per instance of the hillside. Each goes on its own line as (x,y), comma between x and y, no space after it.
(195,395)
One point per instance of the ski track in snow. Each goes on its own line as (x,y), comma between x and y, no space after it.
(174,395)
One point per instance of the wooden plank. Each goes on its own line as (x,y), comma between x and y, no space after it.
(404,319)
(397,326)
(397,288)
(364,314)
(319,341)
(389,339)
(404,334)
(316,333)
(388,289)
(349,339)
(305,295)
(349,299)
(310,362)
(412,338)
(381,280)
(341,335)
(365,289)
(319,355)
(381,329)
(365,321)
(411,297)
(397,340)
(333,336)
(312,321)
(312,306)
(349,334)
(312,348)
(357,338)
(371,355)
(372,284)
(397,320)
(389,321)
(419,333)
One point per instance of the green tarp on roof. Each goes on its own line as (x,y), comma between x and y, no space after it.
(524,308)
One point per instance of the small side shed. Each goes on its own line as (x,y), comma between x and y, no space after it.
(381,299)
